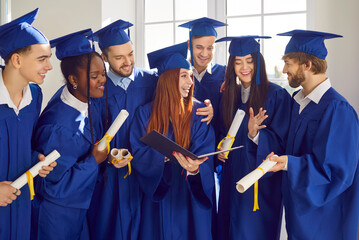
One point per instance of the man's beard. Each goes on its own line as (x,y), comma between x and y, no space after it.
(117,72)
(297,79)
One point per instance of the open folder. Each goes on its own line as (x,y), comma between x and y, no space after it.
(166,146)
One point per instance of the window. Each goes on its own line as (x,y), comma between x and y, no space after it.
(254,17)
(161,20)
(5,16)
(263,17)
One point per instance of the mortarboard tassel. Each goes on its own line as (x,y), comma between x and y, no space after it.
(258,65)
(190,47)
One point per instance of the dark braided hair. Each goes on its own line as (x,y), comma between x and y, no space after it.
(69,66)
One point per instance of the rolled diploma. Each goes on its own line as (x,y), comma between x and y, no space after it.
(252,177)
(22,180)
(118,154)
(236,123)
(115,126)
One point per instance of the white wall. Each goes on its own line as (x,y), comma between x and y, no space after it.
(341,17)
(55,19)
(114,10)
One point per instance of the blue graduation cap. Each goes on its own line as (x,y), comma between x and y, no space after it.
(113,34)
(169,58)
(201,27)
(73,44)
(244,45)
(307,41)
(20,33)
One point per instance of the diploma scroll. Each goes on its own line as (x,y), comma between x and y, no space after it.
(22,180)
(248,180)
(111,132)
(117,155)
(227,142)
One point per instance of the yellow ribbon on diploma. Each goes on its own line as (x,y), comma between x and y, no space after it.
(256,206)
(108,138)
(30,181)
(230,144)
(116,160)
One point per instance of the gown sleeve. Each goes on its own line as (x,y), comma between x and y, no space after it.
(150,169)
(76,169)
(325,173)
(273,137)
(201,185)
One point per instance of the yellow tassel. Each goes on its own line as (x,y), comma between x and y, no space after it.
(30,181)
(255,206)
(230,145)
(116,160)
(108,138)
(129,170)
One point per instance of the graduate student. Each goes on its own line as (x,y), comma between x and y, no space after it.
(320,169)
(26,52)
(177,201)
(71,124)
(115,208)
(264,128)
(208,76)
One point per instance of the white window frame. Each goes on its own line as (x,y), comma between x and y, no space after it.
(5,16)
(5,11)
(215,9)
(140,54)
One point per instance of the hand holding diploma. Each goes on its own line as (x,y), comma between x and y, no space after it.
(99,155)
(248,180)
(111,132)
(120,158)
(281,162)
(228,141)
(34,171)
(45,170)
(7,193)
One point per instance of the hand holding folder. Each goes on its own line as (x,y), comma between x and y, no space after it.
(166,146)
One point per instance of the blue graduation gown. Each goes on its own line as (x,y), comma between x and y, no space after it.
(173,207)
(321,186)
(236,219)
(15,159)
(209,87)
(115,208)
(64,196)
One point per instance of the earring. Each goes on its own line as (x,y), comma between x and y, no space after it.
(238,82)
(74,87)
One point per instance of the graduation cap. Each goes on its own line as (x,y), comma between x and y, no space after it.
(73,44)
(244,45)
(311,42)
(201,27)
(113,34)
(20,33)
(169,58)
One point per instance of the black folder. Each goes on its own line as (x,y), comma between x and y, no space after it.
(166,146)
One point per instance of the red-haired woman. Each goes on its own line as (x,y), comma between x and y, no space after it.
(177,195)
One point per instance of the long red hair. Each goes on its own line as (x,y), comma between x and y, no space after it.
(168,105)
